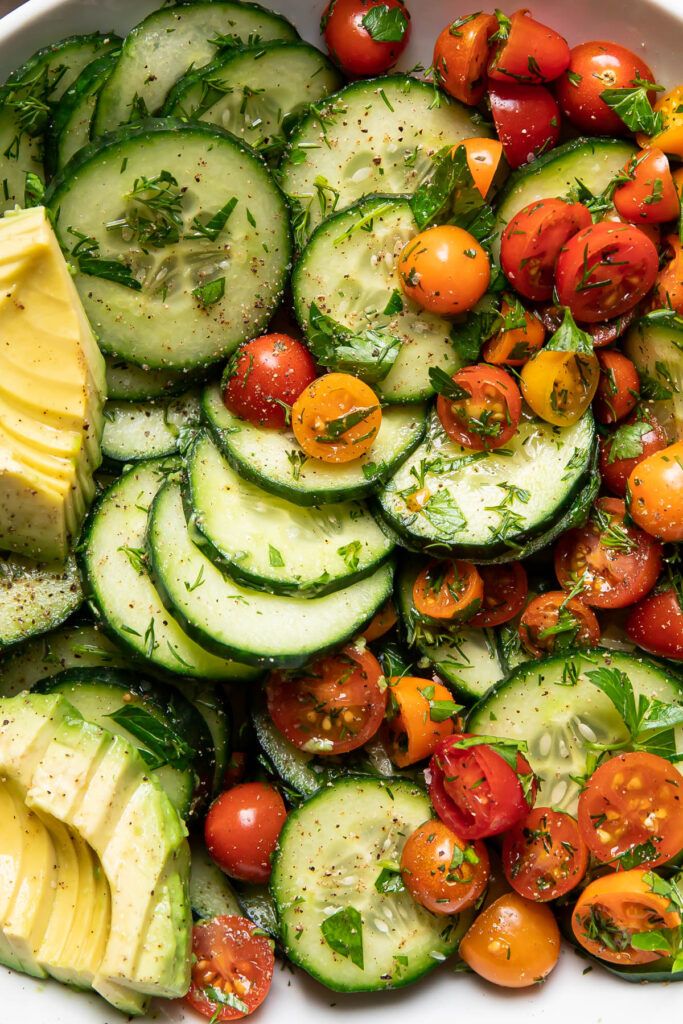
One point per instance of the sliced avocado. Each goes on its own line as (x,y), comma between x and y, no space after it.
(61,919)
(11,850)
(32,513)
(27,730)
(165,951)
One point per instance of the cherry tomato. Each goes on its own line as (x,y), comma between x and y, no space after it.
(619,387)
(618,564)
(444,270)
(620,453)
(448,590)
(533,240)
(474,790)
(262,374)
(544,856)
(487,414)
(670,139)
(385,619)
(593,68)
(242,829)
(336,418)
(514,943)
(366,37)
(656,625)
(484,157)
(461,54)
(601,334)
(514,344)
(441,871)
(668,290)
(559,385)
(505,593)
(605,270)
(334,707)
(656,493)
(230,956)
(414,722)
(633,800)
(653,231)
(553,621)
(527,120)
(649,196)
(531,52)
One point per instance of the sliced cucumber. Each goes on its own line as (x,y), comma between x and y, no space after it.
(50,71)
(129,383)
(208,701)
(270,544)
(259,906)
(69,129)
(211,894)
(169,42)
(273,460)
(121,591)
(35,598)
(20,154)
(487,504)
(554,707)
(147,430)
(77,646)
(256,93)
(191,298)
(655,344)
(373,136)
(348,270)
(330,854)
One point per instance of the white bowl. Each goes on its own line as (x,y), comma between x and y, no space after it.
(653,28)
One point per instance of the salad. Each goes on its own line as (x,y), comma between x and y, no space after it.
(341,480)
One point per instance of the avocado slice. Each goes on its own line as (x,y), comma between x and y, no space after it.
(11,848)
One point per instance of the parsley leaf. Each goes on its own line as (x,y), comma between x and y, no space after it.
(633,106)
(210,293)
(444,384)
(385,24)
(439,710)
(162,745)
(343,932)
(368,354)
(449,191)
(108,270)
(570,338)
(389,880)
(647,720)
(627,441)
(443,512)
(394,305)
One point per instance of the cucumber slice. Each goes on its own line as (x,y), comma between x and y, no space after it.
(256,93)
(486,505)
(373,136)
(273,460)
(21,155)
(49,72)
(169,42)
(198,297)
(211,894)
(329,856)
(69,129)
(78,646)
(258,905)
(121,591)
(349,271)
(558,711)
(147,430)
(267,543)
(129,383)
(35,598)
(655,344)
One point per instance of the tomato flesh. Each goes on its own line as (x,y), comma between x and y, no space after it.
(544,856)
(533,240)
(231,958)
(266,375)
(531,53)
(505,593)
(487,414)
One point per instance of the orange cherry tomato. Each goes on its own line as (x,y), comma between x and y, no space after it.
(505,593)
(336,418)
(230,956)
(441,871)
(461,54)
(417,723)
(619,387)
(484,158)
(521,335)
(615,469)
(242,829)
(483,410)
(656,494)
(444,270)
(531,52)
(670,139)
(668,290)
(552,621)
(514,943)
(448,590)
(615,907)
(384,620)
(649,196)
(544,856)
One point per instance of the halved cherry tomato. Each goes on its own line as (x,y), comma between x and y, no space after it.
(656,493)
(514,943)
(618,564)
(484,158)
(593,68)
(559,385)
(602,334)
(448,590)
(605,270)
(529,52)
(444,270)
(670,139)
(505,593)
(513,344)
(544,856)
(358,43)
(653,232)
(533,240)
(487,413)
(527,120)
(264,375)
(441,871)
(620,453)
(384,620)
(242,829)
(633,800)
(649,196)
(619,387)
(336,418)
(461,54)
(553,621)
(656,625)
(668,290)
(230,957)
(474,790)
(417,724)
(337,705)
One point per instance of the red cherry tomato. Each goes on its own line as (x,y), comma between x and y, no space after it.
(461,54)
(605,270)
(593,68)
(602,334)
(532,52)
(532,242)
(544,856)
(656,625)
(335,706)
(487,416)
(474,790)
(366,37)
(638,437)
(619,387)
(553,621)
(262,374)
(505,593)
(441,871)
(653,231)
(650,195)
(242,829)
(527,120)
(230,956)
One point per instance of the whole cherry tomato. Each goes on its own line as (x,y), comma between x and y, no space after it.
(619,387)
(264,375)
(445,270)
(627,447)
(668,290)
(593,68)
(527,120)
(533,240)
(482,408)
(514,943)
(656,625)
(242,829)
(366,37)
(448,590)
(441,871)
(528,52)
(461,54)
(336,418)
(656,493)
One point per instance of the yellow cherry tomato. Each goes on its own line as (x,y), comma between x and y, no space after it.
(444,270)
(336,418)
(559,386)
(670,139)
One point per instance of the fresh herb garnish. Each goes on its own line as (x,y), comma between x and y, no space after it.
(161,744)
(343,932)
(633,106)
(385,24)
(210,293)
(369,354)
